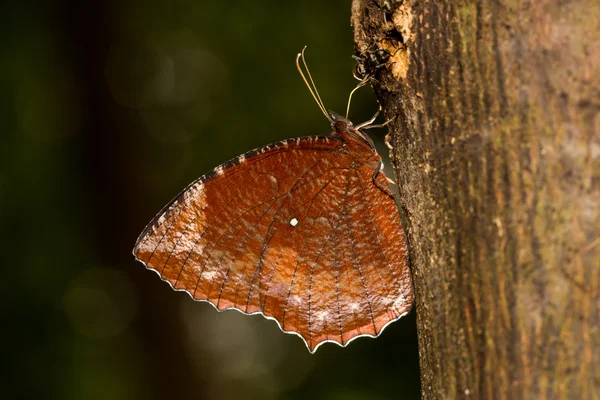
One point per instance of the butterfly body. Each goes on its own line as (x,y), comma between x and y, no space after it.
(304,231)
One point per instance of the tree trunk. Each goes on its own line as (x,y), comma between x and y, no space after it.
(496,148)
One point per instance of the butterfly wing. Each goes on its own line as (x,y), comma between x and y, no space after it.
(294,231)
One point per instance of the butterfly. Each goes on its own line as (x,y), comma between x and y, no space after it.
(304,231)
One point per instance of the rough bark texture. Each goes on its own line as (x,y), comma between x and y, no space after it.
(496,148)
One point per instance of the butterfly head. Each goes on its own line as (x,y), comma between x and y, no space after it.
(340,124)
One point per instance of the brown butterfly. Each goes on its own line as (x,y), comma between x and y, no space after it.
(304,231)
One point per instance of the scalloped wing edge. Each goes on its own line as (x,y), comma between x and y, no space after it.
(290,332)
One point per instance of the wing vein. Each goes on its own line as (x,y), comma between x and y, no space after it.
(334,229)
(355,260)
(209,179)
(378,237)
(206,226)
(310,202)
(298,262)
(288,193)
(190,224)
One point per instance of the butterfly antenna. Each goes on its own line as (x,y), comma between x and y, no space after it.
(360,84)
(311,85)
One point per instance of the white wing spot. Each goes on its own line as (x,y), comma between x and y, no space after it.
(210,275)
(219,170)
(321,315)
(293,221)
(295,300)
(400,303)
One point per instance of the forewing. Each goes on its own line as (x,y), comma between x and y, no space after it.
(292,230)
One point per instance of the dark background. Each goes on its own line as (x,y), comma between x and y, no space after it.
(108,110)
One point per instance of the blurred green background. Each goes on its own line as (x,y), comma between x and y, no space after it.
(108,110)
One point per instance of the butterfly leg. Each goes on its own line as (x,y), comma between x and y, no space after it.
(384,189)
(369,126)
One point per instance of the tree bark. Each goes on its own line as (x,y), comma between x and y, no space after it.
(496,148)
